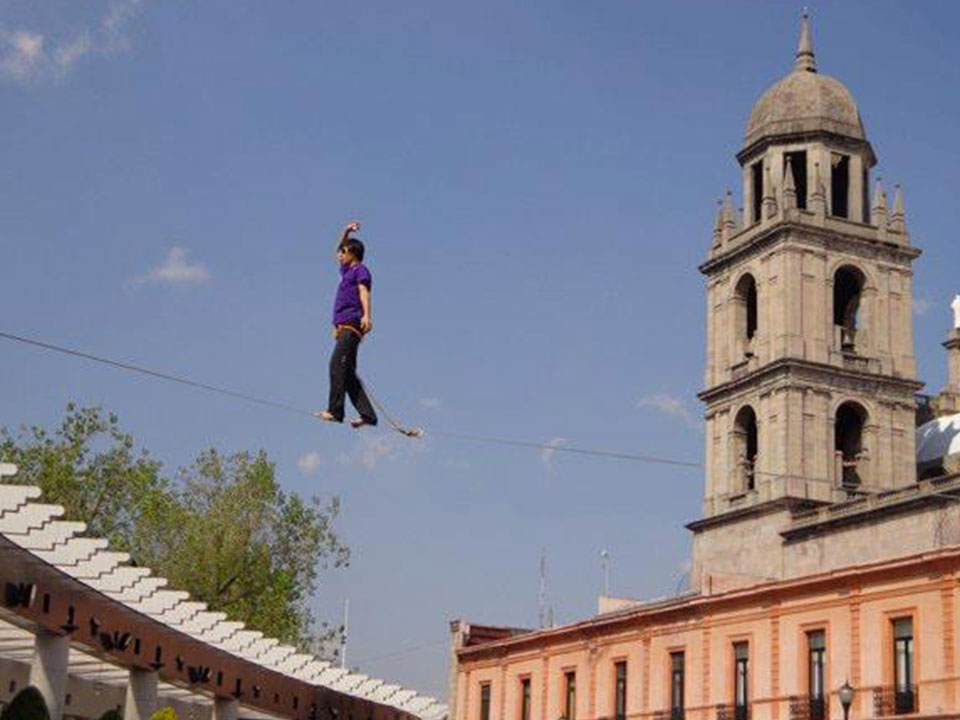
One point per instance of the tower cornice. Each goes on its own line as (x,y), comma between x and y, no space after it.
(756,149)
(786,365)
(852,234)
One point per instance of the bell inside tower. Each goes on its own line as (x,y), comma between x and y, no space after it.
(847,289)
(848,445)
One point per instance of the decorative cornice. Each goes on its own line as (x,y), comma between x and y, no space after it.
(696,606)
(767,507)
(777,233)
(785,365)
(865,509)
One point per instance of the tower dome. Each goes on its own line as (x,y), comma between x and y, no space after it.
(805,102)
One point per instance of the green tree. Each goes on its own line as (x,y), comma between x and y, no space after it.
(90,466)
(166,713)
(112,715)
(233,538)
(221,529)
(28,704)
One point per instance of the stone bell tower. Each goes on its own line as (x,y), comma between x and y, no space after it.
(810,371)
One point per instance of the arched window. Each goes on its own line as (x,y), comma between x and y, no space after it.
(849,452)
(745,299)
(848,285)
(745,447)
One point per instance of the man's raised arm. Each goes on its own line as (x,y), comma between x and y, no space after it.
(350,228)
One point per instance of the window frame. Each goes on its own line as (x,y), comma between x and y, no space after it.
(817,661)
(570,694)
(903,687)
(741,679)
(678,671)
(486,693)
(525,707)
(620,688)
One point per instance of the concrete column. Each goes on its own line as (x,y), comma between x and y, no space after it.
(141,700)
(953,360)
(48,671)
(226,709)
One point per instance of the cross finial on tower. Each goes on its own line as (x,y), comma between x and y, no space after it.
(805,59)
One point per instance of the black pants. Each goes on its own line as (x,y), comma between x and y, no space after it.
(344,381)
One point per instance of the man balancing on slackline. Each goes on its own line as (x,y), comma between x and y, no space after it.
(351,321)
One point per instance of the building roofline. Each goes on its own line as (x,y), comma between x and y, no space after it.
(696,605)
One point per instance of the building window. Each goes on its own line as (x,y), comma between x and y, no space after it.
(816,651)
(620,691)
(839,185)
(756,180)
(676,686)
(741,675)
(903,687)
(797,162)
(570,695)
(746,438)
(525,699)
(485,701)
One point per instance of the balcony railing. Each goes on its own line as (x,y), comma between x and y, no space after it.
(733,712)
(674,714)
(804,707)
(890,700)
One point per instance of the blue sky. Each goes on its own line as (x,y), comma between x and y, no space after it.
(536,183)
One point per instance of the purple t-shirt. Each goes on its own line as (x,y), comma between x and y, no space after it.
(346,305)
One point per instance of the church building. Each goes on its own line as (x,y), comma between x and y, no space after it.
(826,561)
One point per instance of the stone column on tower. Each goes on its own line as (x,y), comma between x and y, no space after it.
(952,345)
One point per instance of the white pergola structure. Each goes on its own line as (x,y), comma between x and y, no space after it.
(92,633)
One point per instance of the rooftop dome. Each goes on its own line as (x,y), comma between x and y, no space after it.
(938,439)
(805,101)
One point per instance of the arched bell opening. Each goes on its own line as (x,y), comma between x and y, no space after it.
(745,302)
(848,284)
(849,451)
(745,448)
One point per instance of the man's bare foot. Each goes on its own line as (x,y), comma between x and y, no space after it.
(327,416)
(358,422)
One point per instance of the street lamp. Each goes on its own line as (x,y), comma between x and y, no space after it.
(846,698)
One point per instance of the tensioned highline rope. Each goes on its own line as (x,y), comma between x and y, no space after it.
(416,432)
(395,424)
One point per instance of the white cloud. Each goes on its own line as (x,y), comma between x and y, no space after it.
(176,270)
(921,305)
(21,54)
(669,405)
(431,403)
(370,451)
(309,462)
(29,56)
(547,453)
(375,449)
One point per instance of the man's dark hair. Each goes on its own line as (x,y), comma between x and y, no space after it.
(354,246)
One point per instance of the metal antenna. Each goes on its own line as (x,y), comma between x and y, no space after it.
(346,629)
(542,591)
(605,564)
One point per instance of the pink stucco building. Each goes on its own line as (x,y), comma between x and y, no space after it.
(827,555)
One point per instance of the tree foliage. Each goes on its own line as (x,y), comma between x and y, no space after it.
(88,465)
(27,704)
(166,713)
(221,529)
